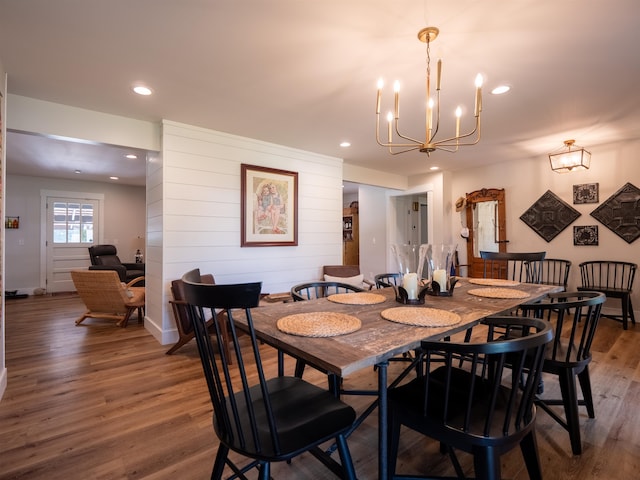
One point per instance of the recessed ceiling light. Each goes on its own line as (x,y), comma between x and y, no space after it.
(500,89)
(131,156)
(434,168)
(142,90)
(77,171)
(114,178)
(345,144)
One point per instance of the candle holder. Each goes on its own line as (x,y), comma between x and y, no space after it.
(439,262)
(402,296)
(433,288)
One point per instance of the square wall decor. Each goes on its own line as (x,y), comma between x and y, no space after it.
(585,193)
(549,215)
(620,213)
(585,235)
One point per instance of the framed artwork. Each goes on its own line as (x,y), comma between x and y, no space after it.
(269,207)
(620,213)
(585,193)
(585,235)
(549,215)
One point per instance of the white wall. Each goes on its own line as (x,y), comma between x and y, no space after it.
(198,221)
(372,204)
(124,221)
(527,180)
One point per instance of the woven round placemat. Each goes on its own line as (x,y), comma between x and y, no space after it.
(493,282)
(421,316)
(318,324)
(498,293)
(357,298)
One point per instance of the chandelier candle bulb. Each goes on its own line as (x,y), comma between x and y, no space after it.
(389,120)
(380,85)
(439,75)
(396,91)
(458,115)
(410,284)
(478,95)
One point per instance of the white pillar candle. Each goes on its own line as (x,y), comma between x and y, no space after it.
(410,284)
(440,277)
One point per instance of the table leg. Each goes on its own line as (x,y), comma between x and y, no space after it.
(383,440)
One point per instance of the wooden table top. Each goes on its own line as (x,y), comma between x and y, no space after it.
(378,339)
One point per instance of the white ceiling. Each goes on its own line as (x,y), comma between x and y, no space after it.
(303,73)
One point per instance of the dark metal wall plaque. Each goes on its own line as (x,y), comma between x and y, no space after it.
(549,215)
(585,193)
(620,213)
(585,235)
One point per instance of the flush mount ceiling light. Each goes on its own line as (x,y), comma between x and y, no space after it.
(430,144)
(142,90)
(569,158)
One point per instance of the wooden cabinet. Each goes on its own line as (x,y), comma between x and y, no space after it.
(350,237)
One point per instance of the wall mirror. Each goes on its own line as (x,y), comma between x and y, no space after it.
(485,210)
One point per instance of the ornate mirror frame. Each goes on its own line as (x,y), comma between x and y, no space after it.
(475,263)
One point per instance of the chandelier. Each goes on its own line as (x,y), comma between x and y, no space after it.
(430,144)
(571,157)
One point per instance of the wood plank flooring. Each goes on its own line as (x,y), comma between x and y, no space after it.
(100,402)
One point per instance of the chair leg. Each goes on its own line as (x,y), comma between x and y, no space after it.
(631,314)
(218,466)
(345,458)
(570,402)
(125,321)
(585,386)
(264,471)
(529,448)
(181,342)
(625,305)
(299,370)
(486,463)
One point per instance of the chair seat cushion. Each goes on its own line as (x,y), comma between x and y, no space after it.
(304,414)
(407,402)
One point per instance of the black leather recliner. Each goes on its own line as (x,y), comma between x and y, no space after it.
(105,257)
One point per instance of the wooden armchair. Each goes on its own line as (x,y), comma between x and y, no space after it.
(346,274)
(105,296)
(180,314)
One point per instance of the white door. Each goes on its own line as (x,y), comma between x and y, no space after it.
(72,226)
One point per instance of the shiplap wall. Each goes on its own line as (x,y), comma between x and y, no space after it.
(194,216)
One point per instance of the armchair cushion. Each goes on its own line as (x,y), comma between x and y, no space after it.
(105,257)
(356,281)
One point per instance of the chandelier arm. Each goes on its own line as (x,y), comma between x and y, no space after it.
(415,143)
(418,142)
(446,141)
(402,151)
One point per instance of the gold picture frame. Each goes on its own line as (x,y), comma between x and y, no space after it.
(269,207)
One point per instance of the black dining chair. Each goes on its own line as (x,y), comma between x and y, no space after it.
(569,355)
(517,266)
(615,280)
(311,290)
(555,271)
(478,407)
(384,280)
(264,419)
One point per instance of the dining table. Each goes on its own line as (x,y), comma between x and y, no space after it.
(377,340)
